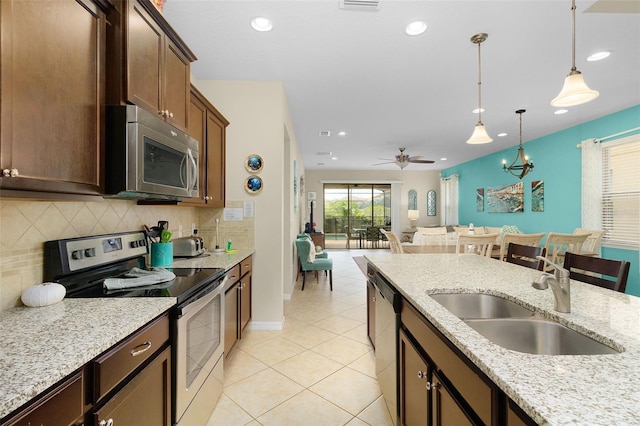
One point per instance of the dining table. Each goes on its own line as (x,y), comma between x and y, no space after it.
(431,248)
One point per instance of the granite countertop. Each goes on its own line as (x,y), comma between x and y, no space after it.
(551,389)
(213,260)
(41,346)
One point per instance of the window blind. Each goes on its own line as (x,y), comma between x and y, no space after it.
(621,192)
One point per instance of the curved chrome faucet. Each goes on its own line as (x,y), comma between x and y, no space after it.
(559,286)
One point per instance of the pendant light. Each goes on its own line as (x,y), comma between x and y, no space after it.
(525,166)
(574,91)
(479,132)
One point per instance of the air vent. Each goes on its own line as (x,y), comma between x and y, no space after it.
(323,153)
(373,5)
(324,133)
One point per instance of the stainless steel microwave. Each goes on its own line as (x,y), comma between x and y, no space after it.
(147,158)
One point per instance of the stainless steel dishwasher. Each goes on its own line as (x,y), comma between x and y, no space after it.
(387,323)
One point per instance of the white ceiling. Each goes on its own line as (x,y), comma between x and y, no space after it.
(356,71)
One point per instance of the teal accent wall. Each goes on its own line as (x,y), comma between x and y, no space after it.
(557,161)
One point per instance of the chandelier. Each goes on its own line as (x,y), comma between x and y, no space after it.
(525,166)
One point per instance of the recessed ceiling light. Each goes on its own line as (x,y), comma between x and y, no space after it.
(416,28)
(342,133)
(478,110)
(503,134)
(334,158)
(599,56)
(443,159)
(261,24)
(561,111)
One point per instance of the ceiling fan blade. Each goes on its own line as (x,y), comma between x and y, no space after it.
(388,162)
(416,157)
(422,161)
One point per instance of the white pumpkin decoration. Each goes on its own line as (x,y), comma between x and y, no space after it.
(44,294)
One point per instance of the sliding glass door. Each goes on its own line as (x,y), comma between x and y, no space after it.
(350,210)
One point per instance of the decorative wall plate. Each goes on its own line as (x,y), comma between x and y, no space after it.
(254,163)
(253,184)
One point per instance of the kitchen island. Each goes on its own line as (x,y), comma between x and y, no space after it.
(550,389)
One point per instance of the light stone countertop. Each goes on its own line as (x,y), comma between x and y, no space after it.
(41,346)
(213,260)
(555,390)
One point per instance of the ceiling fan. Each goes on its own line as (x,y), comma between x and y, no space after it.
(402,159)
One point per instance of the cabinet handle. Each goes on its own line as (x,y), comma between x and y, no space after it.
(105,422)
(373,299)
(10,172)
(169,114)
(207,198)
(422,374)
(432,386)
(242,286)
(141,348)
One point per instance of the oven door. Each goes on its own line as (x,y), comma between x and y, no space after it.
(199,348)
(162,165)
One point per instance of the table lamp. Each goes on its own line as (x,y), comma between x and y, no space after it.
(413,217)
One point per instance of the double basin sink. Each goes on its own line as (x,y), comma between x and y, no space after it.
(514,327)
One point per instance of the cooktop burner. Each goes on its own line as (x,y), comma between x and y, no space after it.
(82,265)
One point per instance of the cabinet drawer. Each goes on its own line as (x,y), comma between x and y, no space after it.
(234,276)
(245,266)
(475,391)
(116,364)
(64,403)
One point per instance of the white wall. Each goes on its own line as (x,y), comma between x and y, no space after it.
(257,119)
(421,181)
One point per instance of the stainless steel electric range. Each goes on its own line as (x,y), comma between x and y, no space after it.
(82,265)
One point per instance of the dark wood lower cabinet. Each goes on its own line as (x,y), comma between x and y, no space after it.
(145,400)
(414,376)
(231,317)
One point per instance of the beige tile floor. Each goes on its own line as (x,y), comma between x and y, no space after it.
(319,370)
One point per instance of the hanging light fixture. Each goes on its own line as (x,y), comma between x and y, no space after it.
(525,166)
(574,91)
(479,132)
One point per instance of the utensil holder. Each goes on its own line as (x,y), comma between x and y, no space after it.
(161,254)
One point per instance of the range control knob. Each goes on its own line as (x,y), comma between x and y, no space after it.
(90,252)
(77,254)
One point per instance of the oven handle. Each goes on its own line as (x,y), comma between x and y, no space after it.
(189,304)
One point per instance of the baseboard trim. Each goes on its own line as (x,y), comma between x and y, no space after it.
(264,325)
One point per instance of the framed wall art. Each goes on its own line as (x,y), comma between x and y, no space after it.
(254,163)
(506,199)
(253,184)
(480,199)
(537,196)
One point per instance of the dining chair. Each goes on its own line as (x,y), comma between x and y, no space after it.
(394,242)
(558,244)
(309,262)
(523,239)
(606,273)
(525,255)
(592,244)
(478,244)
(373,235)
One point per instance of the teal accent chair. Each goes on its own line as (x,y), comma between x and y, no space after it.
(303,247)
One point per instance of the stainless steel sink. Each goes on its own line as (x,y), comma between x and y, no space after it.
(478,305)
(536,336)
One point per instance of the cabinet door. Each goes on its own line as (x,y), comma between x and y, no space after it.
(231,317)
(414,376)
(197,130)
(52,105)
(176,81)
(446,410)
(144,59)
(245,301)
(215,183)
(145,400)
(371,313)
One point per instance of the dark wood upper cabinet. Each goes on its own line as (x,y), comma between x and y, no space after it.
(148,63)
(52,56)
(208,126)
